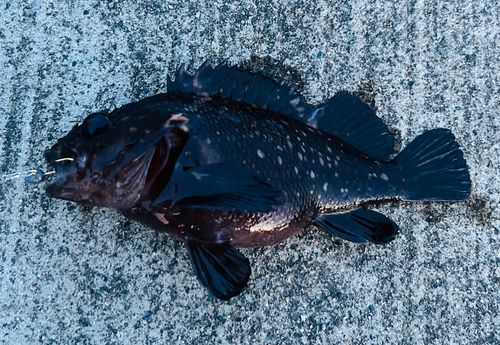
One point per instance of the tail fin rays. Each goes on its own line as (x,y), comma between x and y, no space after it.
(433,168)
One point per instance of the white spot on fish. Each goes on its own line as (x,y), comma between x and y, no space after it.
(300,156)
(325,186)
(336,163)
(321,161)
(161,218)
(260,154)
(384,177)
(313,114)
(312,174)
(296,170)
(209,141)
(295,101)
(336,174)
(199,176)
(279,148)
(280,161)
(289,143)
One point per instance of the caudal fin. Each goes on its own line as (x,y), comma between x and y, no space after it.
(433,168)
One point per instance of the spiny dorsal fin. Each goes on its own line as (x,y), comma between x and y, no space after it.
(239,85)
(345,116)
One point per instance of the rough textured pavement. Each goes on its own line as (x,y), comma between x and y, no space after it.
(78,275)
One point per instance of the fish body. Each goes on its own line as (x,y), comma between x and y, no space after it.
(312,173)
(231,159)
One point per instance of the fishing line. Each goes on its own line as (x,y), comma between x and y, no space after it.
(33,175)
(30,176)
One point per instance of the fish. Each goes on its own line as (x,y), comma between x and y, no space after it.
(228,159)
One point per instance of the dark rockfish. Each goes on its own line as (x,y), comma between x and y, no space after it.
(227,159)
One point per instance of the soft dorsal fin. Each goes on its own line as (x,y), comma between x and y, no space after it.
(352,121)
(345,116)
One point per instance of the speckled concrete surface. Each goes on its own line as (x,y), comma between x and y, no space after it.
(73,275)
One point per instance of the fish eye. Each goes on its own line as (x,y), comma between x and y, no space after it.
(94,124)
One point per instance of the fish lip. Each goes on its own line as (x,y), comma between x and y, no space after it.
(54,187)
(63,169)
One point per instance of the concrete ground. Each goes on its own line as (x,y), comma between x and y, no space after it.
(75,275)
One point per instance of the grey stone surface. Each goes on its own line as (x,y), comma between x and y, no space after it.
(73,275)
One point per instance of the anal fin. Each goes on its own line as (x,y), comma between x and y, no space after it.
(360,225)
(221,268)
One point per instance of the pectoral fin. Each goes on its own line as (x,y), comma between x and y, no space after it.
(360,225)
(222,187)
(222,269)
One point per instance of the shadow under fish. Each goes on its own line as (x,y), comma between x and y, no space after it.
(228,158)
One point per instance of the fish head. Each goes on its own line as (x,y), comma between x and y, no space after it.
(111,159)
